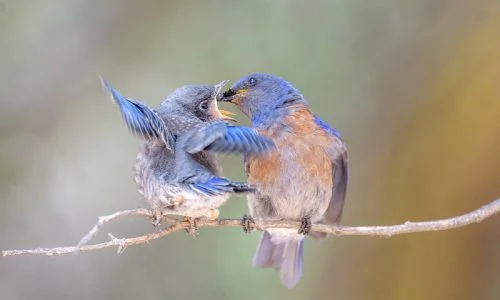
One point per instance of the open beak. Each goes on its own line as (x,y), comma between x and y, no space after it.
(231,96)
(221,113)
(227,96)
(227,115)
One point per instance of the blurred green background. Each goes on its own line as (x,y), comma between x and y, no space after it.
(413,86)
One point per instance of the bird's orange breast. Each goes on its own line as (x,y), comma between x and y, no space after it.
(301,153)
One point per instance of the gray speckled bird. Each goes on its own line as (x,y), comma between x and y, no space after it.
(177,170)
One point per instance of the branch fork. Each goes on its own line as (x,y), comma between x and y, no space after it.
(249,224)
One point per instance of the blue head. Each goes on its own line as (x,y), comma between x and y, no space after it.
(262,96)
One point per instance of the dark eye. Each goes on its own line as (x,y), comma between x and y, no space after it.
(203,105)
(252,81)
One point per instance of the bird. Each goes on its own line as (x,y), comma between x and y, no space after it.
(304,179)
(177,170)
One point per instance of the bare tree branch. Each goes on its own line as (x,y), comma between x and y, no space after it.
(109,218)
(475,216)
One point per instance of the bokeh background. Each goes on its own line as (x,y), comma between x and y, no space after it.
(413,86)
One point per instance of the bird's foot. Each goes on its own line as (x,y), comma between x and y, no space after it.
(247,222)
(214,214)
(178,201)
(193,227)
(305,225)
(157,217)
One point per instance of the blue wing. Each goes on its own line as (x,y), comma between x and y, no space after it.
(340,177)
(243,140)
(326,127)
(142,121)
(222,138)
(219,186)
(340,173)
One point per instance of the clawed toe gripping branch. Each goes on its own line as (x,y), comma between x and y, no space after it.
(247,223)
(305,226)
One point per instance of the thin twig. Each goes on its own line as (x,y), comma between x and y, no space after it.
(475,216)
(109,218)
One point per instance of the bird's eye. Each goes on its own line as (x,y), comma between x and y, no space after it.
(252,81)
(204,105)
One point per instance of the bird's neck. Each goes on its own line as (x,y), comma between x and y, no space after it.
(279,112)
(180,122)
(281,115)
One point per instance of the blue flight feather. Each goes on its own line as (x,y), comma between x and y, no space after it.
(140,119)
(241,140)
(216,186)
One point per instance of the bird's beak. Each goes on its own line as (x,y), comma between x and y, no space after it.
(232,96)
(221,113)
(219,86)
(227,115)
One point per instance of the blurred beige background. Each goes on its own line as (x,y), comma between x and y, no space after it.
(413,86)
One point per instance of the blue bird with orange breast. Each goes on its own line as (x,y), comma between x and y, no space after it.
(304,179)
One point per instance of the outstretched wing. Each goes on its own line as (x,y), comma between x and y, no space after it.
(142,121)
(222,138)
